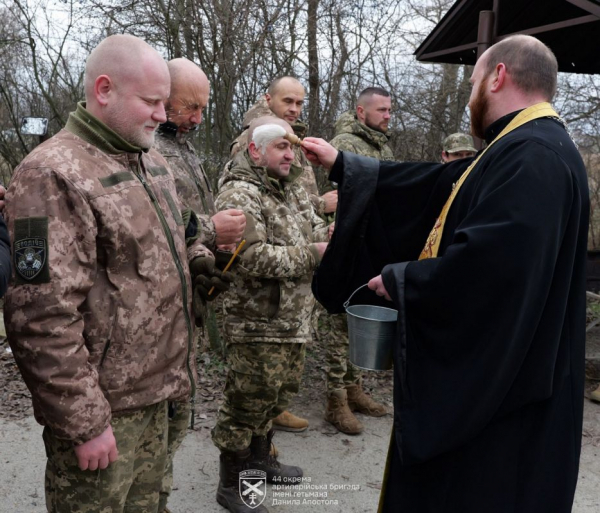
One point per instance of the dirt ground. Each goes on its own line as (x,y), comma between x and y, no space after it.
(348,470)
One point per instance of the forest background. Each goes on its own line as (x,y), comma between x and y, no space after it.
(335,47)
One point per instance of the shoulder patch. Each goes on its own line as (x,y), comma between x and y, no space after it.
(30,250)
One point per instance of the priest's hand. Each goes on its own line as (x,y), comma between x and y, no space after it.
(376,284)
(319,152)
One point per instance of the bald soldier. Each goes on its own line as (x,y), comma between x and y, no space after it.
(99,313)
(190,90)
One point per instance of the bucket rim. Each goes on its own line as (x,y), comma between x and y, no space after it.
(369,319)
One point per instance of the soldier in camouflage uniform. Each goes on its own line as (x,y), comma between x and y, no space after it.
(363,132)
(285,99)
(457,146)
(188,98)
(267,313)
(99,314)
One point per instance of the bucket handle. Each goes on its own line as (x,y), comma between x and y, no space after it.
(347,303)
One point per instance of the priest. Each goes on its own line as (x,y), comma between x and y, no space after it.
(484,258)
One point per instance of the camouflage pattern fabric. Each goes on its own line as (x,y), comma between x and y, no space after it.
(178,425)
(262,380)
(271,299)
(352,135)
(192,184)
(333,333)
(110,328)
(307,179)
(129,485)
(458,142)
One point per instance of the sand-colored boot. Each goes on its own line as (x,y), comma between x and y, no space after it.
(595,395)
(287,421)
(228,492)
(338,413)
(361,402)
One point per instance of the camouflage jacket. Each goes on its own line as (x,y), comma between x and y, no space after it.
(352,135)
(99,311)
(307,179)
(193,186)
(271,299)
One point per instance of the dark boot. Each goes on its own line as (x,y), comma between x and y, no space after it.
(262,459)
(228,492)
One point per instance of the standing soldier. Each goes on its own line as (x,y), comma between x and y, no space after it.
(363,132)
(99,314)
(188,98)
(457,146)
(267,315)
(284,100)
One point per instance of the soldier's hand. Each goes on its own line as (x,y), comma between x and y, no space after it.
(222,258)
(202,265)
(330,230)
(319,152)
(229,225)
(98,452)
(2,193)
(321,247)
(331,200)
(203,285)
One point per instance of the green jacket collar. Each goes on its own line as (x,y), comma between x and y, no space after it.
(93,131)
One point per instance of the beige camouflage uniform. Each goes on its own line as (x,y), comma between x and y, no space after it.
(307,178)
(194,192)
(100,318)
(351,135)
(267,313)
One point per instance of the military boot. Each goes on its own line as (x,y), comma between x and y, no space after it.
(359,401)
(287,421)
(262,459)
(339,414)
(228,492)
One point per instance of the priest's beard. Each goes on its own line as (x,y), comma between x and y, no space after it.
(479,110)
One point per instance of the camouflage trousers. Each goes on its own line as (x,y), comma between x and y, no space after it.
(262,380)
(129,485)
(179,421)
(333,333)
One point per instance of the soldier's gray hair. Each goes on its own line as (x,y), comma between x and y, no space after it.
(264,134)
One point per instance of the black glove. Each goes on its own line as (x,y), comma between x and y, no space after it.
(203,284)
(202,266)
(222,258)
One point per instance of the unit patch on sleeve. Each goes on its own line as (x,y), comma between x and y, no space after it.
(31,250)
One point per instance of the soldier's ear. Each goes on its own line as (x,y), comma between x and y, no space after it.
(360,113)
(103,87)
(254,152)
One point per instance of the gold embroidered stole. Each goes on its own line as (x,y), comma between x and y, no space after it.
(432,246)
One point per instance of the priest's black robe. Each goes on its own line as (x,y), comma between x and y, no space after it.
(489,357)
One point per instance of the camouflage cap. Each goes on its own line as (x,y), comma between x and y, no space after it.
(458,142)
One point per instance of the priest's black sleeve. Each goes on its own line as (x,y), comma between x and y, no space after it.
(385,212)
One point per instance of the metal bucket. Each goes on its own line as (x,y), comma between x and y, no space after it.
(371,330)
